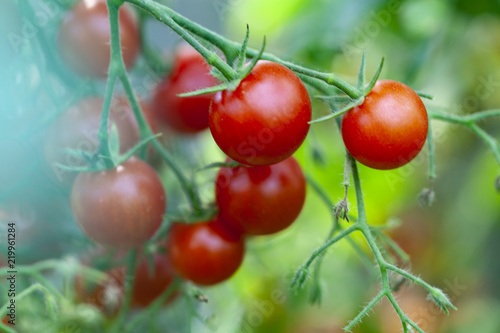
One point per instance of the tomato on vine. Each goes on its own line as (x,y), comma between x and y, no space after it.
(84,38)
(78,126)
(388,129)
(204,253)
(119,208)
(190,72)
(260,200)
(265,119)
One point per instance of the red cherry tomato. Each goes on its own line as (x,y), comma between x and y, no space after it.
(84,38)
(260,200)
(77,128)
(389,129)
(189,73)
(148,286)
(263,121)
(119,208)
(204,253)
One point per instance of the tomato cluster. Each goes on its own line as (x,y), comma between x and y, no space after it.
(259,124)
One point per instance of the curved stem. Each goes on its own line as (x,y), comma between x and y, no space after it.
(231,48)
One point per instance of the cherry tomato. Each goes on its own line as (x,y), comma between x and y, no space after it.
(148,286)
(190,72)
(119,208)
(263,121)
(84,38)
(204,253)
(389,129)
(77,128)
(260,200)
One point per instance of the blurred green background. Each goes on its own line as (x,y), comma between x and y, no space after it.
(450,49)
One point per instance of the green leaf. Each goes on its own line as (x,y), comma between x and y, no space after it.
(361,74)
(375,77)
(204,91)
(114,142)
(441,299)
(136,148)
(243,52)
(231,164)
(248,69)
(425,95)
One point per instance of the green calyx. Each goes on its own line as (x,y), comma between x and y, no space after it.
(240,71)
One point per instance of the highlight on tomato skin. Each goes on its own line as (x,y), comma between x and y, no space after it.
(120,208)
(389,129)
(260,200)
(206,253)
(84,38)
(265,119)
(190,72)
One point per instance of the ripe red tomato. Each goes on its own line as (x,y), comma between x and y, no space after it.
(148,286)
(77,128)
(84,38)
(189,73)
(122,207)
(389,129)
(263,121)
(204,253)
(260,200)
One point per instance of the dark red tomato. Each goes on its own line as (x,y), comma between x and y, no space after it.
(204,253)
(260,200)
(120,208)
(189,73)
(148,286)
(263,121)
(389,129)
(84,38)
(77,128)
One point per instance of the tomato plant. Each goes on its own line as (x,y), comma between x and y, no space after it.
(204,253)
(260,200)
(189,72)
(122,207)
(84,38)
(389,129)
(78,126)
(265,119)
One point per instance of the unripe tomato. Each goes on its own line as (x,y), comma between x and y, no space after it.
(84,38)
(204,253)
(265,119)
(389,129)
(190,72)
(120,208)
(260,200)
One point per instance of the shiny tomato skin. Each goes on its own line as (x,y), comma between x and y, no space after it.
(265,119)
(119,208)
(78,126)
(260,200)
(148,286)
(204,253)
(84,38)
(190,72)
(389,129)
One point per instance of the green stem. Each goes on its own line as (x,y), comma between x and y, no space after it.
(231,48)
(129,286)
(365,311)
(163,14)
(488,139)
